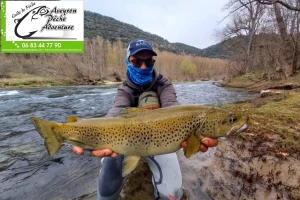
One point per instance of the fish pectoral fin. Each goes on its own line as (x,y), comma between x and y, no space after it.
(129,164)
(131,112)
(78,143)
(73,119)
(193,146)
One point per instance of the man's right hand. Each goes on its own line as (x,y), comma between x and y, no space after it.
(97,153)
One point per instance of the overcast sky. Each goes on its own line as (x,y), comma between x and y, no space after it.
(192,22)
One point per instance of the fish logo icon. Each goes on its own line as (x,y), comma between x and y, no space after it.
(31,21)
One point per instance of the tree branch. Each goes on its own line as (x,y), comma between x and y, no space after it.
(233,11)
(270,2)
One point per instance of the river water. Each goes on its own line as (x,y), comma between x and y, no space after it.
(26,170)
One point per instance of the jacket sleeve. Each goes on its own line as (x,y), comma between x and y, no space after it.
(121,100)
(167,95)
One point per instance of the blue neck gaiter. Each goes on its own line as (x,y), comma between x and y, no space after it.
(139,76)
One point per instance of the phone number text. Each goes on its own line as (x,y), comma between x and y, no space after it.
(42,45)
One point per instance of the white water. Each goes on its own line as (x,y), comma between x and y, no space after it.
(7,93)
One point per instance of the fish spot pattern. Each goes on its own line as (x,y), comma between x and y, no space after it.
(146,133)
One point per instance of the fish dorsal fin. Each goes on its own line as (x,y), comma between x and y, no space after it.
(131,112)
(73,119)
(129,164)
(193,146)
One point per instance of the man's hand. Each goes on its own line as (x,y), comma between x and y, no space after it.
(205,144)
(97,153)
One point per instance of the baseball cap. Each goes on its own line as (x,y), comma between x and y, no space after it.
(139,45)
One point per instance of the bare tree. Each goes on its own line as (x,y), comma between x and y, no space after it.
(246,20)
(285,4)
(245,24)
(267,32)
(287,20)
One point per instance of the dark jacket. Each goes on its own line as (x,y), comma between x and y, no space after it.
(125,96)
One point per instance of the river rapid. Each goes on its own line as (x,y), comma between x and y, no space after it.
(26,170)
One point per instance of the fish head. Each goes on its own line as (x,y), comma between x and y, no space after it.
(34,14)
(220,122)
(38,12)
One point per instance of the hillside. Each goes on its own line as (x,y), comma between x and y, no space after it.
(112,29)
(218,50)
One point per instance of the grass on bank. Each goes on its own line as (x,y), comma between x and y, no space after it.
(253,82)
(275,119)
(31,82)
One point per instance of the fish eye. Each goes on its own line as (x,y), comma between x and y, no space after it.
(43,11)
(233,119)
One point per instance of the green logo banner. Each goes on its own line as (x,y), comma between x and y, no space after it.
(42,27)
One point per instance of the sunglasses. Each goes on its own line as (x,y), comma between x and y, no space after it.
(137,62)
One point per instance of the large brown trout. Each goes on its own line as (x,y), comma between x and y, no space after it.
(138,132)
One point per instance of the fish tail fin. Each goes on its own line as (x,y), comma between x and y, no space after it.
(193,146)
(45,129)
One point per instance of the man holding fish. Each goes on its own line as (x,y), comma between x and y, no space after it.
(134,129)
(144,88)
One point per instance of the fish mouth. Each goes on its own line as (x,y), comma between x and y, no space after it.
(240,130)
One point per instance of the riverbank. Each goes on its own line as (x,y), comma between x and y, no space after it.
(248,81)
(262,163)
(256,84)
(31,81)
(275,116)
(26,81)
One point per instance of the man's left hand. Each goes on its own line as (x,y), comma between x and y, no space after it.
(205,144)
